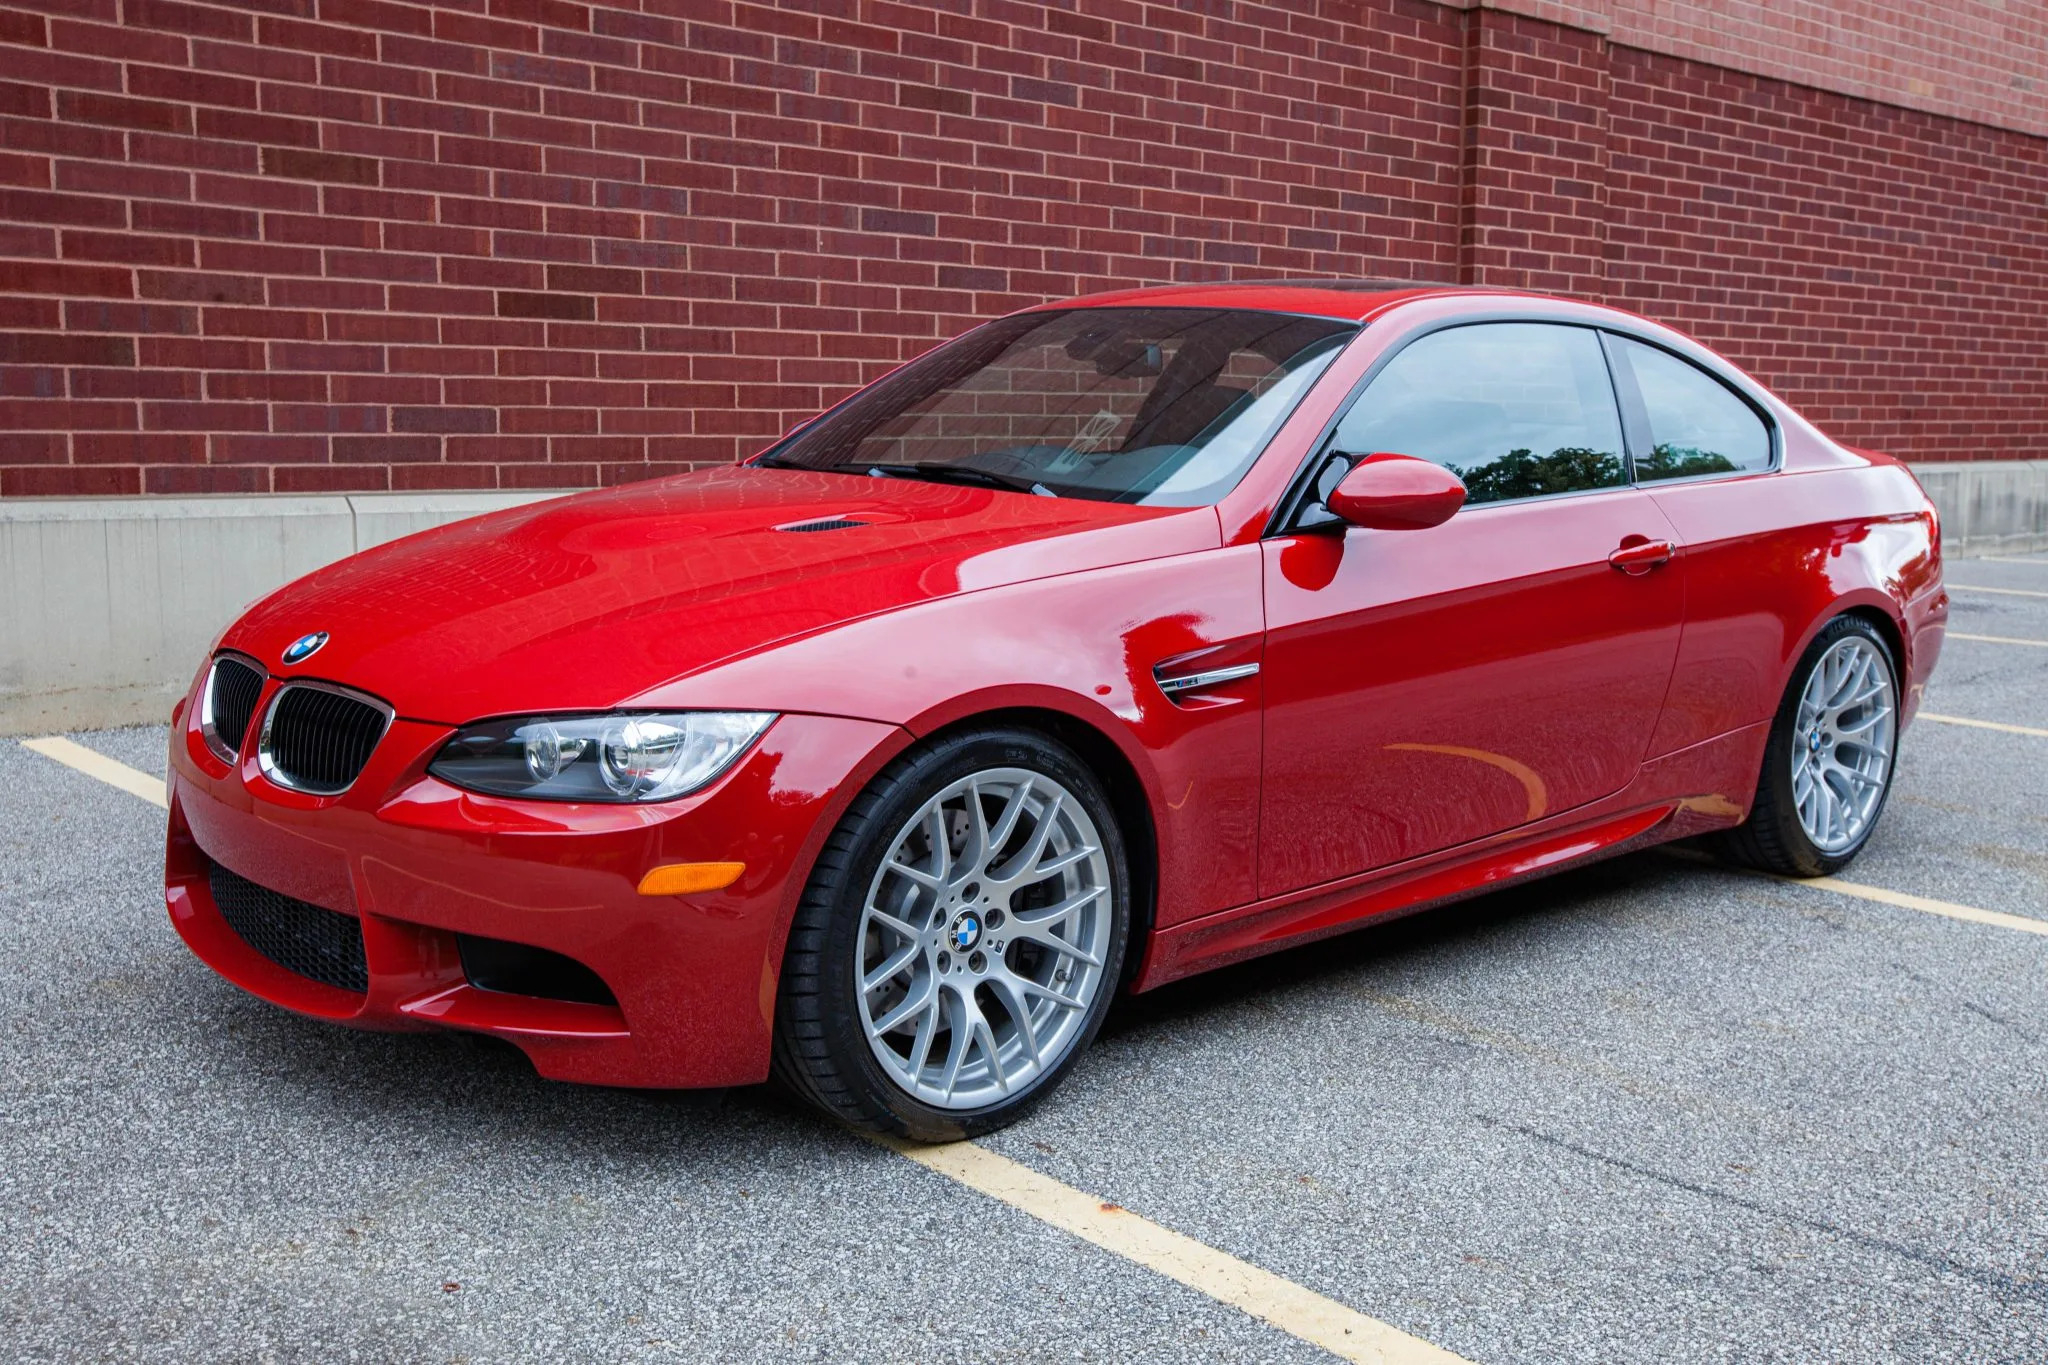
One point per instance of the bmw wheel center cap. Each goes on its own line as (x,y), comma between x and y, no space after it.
(966,932)
(303,648)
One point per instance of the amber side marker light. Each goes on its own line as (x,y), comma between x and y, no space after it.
(684,879)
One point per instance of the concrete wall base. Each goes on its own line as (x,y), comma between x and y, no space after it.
(107,605)
(1990,506)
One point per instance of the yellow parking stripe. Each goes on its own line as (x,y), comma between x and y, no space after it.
(1299,1312)
(1922,903)
(2002,592)
(1983,724)
(138,783)
(1997,639)
(94,764)
(1904,900)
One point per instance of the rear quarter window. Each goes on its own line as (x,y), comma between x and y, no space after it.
(1698,425)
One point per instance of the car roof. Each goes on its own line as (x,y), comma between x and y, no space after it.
(1349,299)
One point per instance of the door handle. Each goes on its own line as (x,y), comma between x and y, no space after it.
(1639,554)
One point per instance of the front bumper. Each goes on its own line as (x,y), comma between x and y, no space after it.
(419,862)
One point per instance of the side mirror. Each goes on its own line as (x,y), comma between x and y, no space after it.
(1388,492)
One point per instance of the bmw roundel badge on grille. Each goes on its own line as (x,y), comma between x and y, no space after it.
(303,648)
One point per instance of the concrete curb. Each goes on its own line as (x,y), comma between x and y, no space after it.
(109,603)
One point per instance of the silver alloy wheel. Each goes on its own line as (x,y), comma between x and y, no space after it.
(983,938)
(1842,743)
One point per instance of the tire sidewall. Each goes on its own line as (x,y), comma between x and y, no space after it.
(901,792)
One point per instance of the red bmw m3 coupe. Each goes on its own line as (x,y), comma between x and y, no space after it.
(1112,641)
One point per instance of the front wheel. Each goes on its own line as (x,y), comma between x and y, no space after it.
(1829,762)
(959,941)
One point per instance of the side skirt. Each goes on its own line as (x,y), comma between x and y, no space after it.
(1717,780)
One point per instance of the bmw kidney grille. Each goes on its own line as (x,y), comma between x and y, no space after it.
(317,737)
(230,704)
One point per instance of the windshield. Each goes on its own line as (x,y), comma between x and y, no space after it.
(1164,406)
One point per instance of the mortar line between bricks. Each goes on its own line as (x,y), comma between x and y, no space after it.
(1294,1309)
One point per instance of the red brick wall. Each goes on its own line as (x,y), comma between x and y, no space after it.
(287,245)
(1981,60)
(372,244)
(1884,269)
(1535,203)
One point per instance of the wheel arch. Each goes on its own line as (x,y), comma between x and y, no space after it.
(1126,789)
(1869,604)
(1768,837)
(1888,629)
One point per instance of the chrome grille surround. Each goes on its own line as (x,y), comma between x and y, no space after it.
(227,704)
(335,737)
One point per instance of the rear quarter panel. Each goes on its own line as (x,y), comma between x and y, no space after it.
(1770,560)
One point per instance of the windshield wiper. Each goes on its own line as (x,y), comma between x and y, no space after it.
(938,471)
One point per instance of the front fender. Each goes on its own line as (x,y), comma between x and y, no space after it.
(1083,645)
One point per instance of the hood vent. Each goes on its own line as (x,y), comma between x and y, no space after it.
(825,524)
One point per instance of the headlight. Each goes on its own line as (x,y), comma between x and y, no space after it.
(618,758)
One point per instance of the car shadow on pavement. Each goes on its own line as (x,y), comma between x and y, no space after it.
(461,1084)
(1473,925)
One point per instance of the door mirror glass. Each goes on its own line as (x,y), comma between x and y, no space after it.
(1389,492)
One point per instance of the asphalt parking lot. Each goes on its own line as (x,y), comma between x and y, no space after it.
(1651,1111)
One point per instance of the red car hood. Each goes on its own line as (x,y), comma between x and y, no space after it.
(582,603)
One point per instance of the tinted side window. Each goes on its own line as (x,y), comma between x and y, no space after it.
(1697,424)
(1515,409)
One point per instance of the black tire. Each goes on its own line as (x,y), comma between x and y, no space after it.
(1772,838)
(821,1050)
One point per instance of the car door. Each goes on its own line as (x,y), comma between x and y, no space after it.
(1704,454)
(1427,688)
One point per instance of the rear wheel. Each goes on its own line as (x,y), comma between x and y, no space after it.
(1828,766)
(959,941)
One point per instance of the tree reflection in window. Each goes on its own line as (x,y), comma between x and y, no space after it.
(1668,461)
(1483,399)
(1524,474)
(1698,425)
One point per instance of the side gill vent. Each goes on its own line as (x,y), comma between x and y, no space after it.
(826,524)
